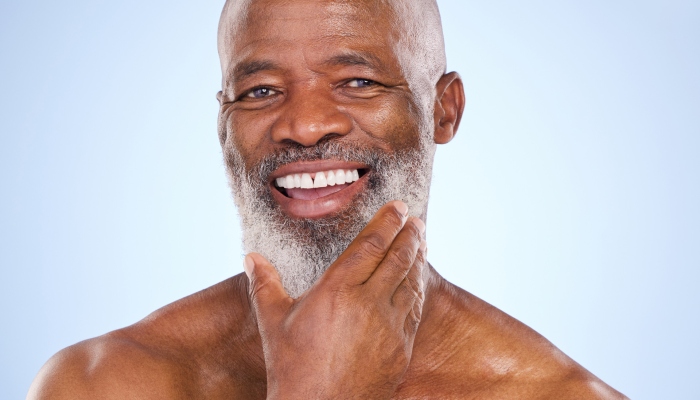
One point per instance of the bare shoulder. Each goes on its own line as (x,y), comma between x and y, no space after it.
(176,352)
(487,353)
(110,366)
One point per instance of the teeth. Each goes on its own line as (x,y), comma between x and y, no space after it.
(306,182)
(322,179)
(339,177)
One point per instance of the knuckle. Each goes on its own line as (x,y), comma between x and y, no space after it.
(419,265)
(257,285)
(414,315)
(404,295)
(420,258)
(374,244)
(351,258)
(403,258)
(390,280)
(416,272)
(413,286)
(394,217)
(418,304)
(416,234)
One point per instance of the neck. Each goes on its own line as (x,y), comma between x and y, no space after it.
(438,332)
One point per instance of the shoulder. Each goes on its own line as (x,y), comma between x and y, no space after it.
(493,355)
(158,357)
(109,367)
(581,385)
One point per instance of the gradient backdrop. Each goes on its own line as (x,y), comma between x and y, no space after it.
(569,198)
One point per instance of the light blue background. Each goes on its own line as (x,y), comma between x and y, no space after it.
(569,199)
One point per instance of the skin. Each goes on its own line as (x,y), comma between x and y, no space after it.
(381,322)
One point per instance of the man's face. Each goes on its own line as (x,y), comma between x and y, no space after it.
(312,88)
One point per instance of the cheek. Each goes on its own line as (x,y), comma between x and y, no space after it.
(249,131)
(394,121)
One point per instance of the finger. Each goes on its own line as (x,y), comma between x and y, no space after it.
(362,256)
(415,312)
(413,318)
(411,288)
(265,289)
(398,260)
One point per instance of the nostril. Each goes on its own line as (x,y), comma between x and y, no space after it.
(326,138)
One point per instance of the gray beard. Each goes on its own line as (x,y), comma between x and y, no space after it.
(302,249)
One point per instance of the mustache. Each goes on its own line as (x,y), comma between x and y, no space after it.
(327,150)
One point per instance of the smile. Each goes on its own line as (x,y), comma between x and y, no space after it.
(315,189)
(322,179)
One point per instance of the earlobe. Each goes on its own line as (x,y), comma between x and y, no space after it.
(449,106)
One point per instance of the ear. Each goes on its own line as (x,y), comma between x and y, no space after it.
(449,106)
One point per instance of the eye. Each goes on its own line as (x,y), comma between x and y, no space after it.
(361,83)
(259,93)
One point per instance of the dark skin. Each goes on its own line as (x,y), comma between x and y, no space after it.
(381,322)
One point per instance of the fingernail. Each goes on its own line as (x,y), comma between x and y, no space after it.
(402,208)
(419,224)
(423,246)
(248,265)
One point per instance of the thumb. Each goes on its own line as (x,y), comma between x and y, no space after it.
(265,289)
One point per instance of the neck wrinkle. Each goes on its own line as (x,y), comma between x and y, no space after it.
(440,334)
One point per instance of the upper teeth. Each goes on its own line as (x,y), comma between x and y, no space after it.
(320,179)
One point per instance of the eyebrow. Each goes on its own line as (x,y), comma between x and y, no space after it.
(355,58)
(248,68)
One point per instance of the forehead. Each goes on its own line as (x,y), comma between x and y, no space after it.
(311,29)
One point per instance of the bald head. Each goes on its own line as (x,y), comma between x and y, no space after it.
(412,29)
(420,39)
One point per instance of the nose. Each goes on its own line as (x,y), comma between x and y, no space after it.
(308,116)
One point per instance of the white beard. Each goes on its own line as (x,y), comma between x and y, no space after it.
(302,249)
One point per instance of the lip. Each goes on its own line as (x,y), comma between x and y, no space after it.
(317,208)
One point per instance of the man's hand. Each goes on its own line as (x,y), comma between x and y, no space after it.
(350,335)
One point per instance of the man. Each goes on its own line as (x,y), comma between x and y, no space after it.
(330,114)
